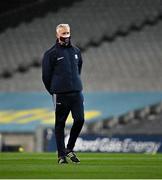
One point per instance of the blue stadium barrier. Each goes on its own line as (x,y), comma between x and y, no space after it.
(24,112)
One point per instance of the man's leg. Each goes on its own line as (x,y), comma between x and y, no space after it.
(77,110)
(61,113)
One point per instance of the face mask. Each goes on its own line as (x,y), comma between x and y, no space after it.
(66,40)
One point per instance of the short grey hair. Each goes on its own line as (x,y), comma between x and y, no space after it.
(61,26)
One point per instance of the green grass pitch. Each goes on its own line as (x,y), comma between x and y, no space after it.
(92,166)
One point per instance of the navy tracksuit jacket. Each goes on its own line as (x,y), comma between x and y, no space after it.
(61,69)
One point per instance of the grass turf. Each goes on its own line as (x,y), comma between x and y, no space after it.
(92,166)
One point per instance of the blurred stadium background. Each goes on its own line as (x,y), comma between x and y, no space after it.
(121,43)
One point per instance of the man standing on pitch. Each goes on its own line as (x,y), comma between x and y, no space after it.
(61,69)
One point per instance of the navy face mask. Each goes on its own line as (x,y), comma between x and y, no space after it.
(66,40)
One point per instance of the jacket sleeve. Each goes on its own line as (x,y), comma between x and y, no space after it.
(80,63)
(46,71)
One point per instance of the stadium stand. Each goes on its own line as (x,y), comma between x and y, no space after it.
(8,5)
(129,63)
(13,13)
(145,121)
(29,40)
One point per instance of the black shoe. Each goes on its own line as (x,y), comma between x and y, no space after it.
(72,156)
(62,160)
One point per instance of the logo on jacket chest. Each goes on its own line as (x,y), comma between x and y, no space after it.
(59,58)
(76,56)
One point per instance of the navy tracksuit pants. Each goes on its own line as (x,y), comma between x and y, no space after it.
(64,103)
